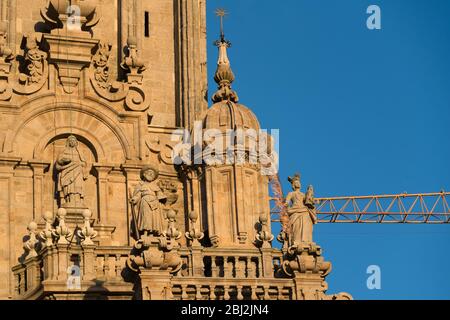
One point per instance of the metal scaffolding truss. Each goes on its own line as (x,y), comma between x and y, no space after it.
(431,208)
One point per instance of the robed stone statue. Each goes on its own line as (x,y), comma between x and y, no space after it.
(302,213)
(71,167)
(146,198)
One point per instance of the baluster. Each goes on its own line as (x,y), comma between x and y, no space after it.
(266,293)
(118,266)
(213,267)
(198,295)
(212,293)
(260,269)
(226,295)
(106,267)
(96,264)
(16,284)
(247,267)
(184,295)
(280,293)
(251,268)
(254,295)
(238,267)
(22,282)
(240,296)
(225,267)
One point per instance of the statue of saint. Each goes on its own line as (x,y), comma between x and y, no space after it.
(72,173)
(302,213)
(147,198)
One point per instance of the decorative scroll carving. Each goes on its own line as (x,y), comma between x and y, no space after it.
(162,147)
(100,64)
(132,94)
(36,65)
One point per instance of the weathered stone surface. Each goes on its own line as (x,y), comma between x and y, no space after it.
(88,106)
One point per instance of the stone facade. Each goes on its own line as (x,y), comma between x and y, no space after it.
(89,101)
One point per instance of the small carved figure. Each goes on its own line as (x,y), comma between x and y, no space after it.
(302,213)
(147,198)
(72,173)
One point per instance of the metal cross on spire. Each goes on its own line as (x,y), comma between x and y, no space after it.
(221,13)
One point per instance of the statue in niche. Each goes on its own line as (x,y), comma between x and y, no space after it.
(147,198)
(72,173)
(302,213)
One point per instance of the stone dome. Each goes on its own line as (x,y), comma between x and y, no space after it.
(229,115)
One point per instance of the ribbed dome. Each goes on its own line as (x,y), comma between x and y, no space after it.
(229,115)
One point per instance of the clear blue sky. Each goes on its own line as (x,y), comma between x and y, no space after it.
(360,112)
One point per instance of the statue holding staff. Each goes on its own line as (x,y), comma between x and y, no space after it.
(146,198)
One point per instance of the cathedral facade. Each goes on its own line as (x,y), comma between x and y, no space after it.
(98,200)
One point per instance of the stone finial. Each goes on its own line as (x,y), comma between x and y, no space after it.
(31,244)
(87,233)
(72,15)
(62,232)
(264,236)
(224,76)
(132,62)
(172,232)
(194,234)
(49,232)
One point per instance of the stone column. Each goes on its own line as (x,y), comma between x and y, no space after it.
(7,236)
(38,186)
(103,172)
(191,61)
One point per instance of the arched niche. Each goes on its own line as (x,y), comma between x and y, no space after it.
(27,139)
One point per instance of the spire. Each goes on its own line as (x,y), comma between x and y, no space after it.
(224,76)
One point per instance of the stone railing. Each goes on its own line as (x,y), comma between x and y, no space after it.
(231,274)
(232,289)
(230,263)
(27,278)
(52,270)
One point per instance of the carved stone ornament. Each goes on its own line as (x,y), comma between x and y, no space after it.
(71,15)
(6,56)
(87,233)
(194,234)
(49,233)
(132,93)
(31,244)
(62,232)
